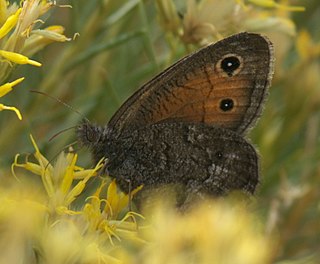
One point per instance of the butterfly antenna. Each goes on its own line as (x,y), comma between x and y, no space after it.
(60,132)
(61,102)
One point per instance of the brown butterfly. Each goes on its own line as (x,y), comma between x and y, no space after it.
(186,126)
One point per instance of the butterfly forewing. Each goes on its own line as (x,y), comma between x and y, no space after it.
(223,84)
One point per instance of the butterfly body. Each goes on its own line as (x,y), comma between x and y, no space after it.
(200,157)
(187,125)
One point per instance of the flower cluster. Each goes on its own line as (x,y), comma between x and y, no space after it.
(21,38)
(65,225)
(204,21)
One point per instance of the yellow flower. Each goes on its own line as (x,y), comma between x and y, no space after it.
(6,88)
(213,232)
(104,214)
(101,214)
(21,217)
(117,201)
(9,24)
(58,179)
(18,38)
(18,58)
(53,33)
(63,233)
(40,38)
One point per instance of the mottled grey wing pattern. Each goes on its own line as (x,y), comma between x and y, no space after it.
(201,157)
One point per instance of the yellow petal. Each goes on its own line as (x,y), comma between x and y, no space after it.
(53,33)
(4,107)
(33,167)
(43,162)
(95,198)
(77,189)
(7,87)
(113,198)
(18,58)
(68,176)
(10,23)
(84,173)
(46,169)
(124,200)
(30,166)
(136,190)
(71,196)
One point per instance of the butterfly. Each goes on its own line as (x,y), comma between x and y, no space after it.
(187,126)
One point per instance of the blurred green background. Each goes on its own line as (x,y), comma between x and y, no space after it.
(122,44)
